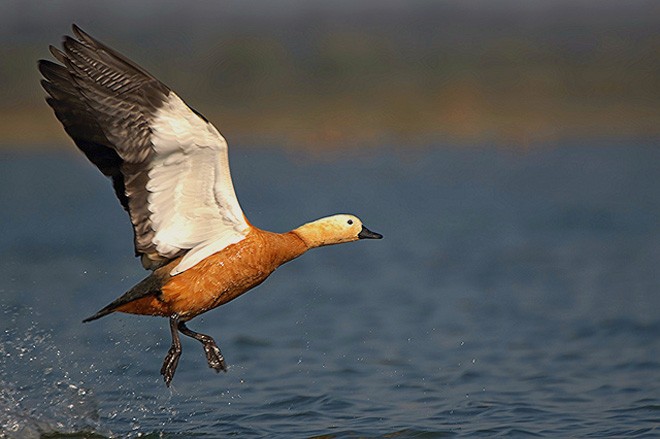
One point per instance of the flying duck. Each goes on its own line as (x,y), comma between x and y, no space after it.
(170,170)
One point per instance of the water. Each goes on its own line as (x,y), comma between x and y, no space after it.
(515,294)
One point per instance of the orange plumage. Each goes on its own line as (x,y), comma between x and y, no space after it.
(219,278)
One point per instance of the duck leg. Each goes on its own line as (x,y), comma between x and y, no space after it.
(173,355)
(213,355)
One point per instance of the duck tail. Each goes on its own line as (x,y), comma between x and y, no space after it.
(149,286)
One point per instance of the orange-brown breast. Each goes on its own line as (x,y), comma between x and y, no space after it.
(222,276)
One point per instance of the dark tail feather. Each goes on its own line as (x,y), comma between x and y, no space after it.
(104,312)
(149,286)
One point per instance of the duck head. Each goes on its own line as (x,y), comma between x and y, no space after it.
(334,229)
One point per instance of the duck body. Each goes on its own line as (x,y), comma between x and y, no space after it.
(214,281)
(169,168)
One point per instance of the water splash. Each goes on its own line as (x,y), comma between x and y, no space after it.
(37,396)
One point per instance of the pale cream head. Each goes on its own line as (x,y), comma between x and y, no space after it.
(334,229)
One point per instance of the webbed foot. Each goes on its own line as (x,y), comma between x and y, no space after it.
(170,364)
(214,357)
(173,355)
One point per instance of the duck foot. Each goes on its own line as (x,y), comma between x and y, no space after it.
(173,355)
(214,357)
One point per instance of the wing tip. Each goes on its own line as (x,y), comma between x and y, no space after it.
(83,36)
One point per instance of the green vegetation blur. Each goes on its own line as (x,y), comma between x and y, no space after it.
(312,75)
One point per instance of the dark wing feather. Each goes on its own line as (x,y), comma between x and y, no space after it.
(104,102)
(169,165)
(81,125)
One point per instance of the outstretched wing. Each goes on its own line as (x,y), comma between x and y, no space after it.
(168,164)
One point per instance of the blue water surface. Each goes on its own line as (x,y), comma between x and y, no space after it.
(516,293)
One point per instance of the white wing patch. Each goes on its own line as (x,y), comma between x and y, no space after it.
(191,196)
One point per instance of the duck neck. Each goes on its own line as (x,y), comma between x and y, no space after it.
(311,235)
(287,246)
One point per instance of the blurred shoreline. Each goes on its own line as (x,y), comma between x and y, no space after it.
(310,76)
(350,127)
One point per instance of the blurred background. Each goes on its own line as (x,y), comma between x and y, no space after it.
(507,150)
(318,74)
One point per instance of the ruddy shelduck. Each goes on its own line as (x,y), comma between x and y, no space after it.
(169,168)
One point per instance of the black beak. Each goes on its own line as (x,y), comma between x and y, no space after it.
(368,234)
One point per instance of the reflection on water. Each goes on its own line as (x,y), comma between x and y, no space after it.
(514,293)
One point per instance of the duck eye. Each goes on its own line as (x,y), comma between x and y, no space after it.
(350,222)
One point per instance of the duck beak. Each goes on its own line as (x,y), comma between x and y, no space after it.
(368,234)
